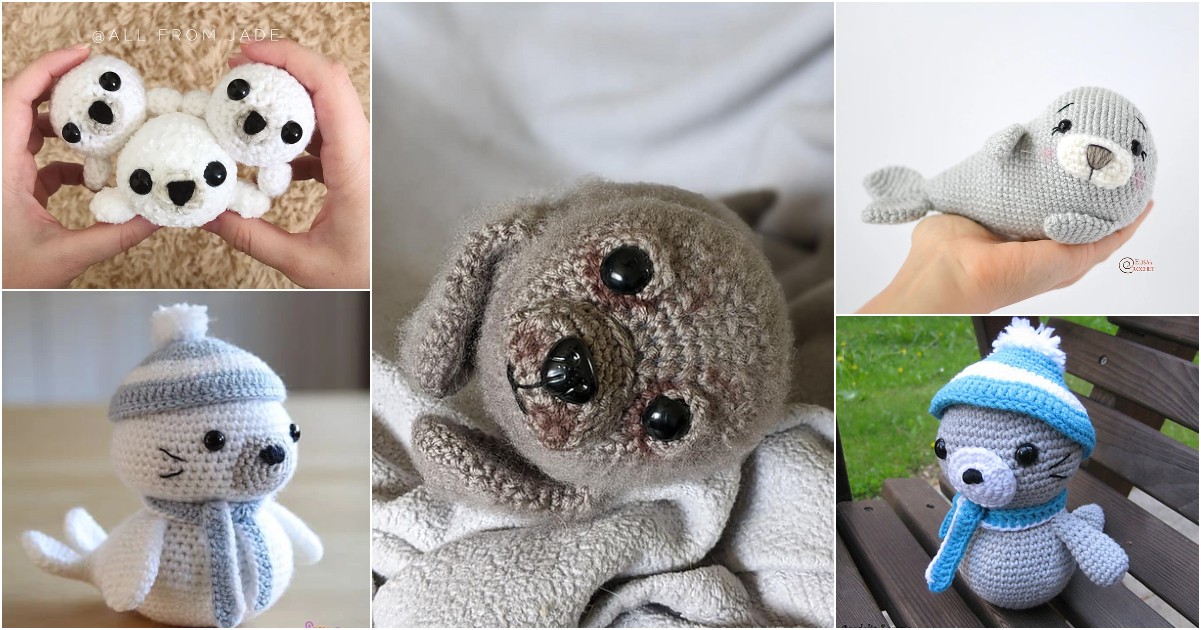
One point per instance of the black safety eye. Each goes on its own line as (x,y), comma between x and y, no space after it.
(627,270)
(214,441)
(1136,148)
(666,419)
(1026,454)
(71,133)
(110,81)
(237,89)
(214,174)
(940,448)
(291,132)
(294,431)
(1064,126)
(140,182)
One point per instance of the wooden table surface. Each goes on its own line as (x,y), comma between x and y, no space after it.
(56,458)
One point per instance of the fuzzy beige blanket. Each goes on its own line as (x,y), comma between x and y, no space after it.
(145,35)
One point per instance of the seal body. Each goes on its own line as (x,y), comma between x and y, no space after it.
(176,598)
(1017,569)
(1080,171)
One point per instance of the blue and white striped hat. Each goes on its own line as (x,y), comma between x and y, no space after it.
(189,369)
(1023,374)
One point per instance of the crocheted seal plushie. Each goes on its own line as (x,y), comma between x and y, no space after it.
(94,108)
(1011,437)
(623,336)
(200,431)
(263,117)
(1077,173)
(173,172)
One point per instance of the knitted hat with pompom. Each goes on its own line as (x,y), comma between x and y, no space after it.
(189,369)
(1023,374)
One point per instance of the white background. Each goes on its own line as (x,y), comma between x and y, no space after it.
(924,85)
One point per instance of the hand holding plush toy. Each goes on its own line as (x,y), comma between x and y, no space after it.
(1010,439)
(179,169)
(1077,173)
(201,433)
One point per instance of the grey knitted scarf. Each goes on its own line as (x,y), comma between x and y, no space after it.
(221,522)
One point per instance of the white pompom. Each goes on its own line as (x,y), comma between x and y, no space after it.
(178,322)
(1020,334)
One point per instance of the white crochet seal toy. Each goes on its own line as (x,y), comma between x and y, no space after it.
(1080,171)
(173,172)
(263,117)
(95,108)
(199,430)
(1011,437)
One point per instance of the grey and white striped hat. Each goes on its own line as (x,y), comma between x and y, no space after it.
(189,369)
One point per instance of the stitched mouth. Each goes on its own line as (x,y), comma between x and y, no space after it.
(172,455)
(174,474)
(514,385)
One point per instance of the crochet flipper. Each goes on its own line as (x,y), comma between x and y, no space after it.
(897,196)
(70,560)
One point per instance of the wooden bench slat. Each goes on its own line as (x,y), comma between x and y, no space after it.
(856,606)
(1182,330)
(1085,604)
(1153,379)
(1160,557)
(922,509)
(893,564)
(1159,465)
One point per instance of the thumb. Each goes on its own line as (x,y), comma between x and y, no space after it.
(258,239)
(102,241)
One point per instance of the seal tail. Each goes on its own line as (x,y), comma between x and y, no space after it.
(70,559)
(897,196)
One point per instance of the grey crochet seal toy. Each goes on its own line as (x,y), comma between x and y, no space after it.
(1080,171)
(622,335)
(1011,437)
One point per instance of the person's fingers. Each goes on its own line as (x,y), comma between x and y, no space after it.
(23,90)
(1062,265)
(40,131)
(57,174)
(306,167)
(314,147)
(102,241)
(237,59)
(258,239)
(339,112)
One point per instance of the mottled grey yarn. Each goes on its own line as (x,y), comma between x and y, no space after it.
(710,328)
(1077,173)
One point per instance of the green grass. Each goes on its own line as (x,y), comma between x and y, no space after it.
(888,369)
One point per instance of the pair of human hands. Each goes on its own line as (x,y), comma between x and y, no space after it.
(40,252)
(956,265)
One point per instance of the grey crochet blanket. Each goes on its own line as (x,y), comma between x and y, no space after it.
(751,546)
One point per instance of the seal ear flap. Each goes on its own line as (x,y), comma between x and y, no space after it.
(751,205)
(437,343)
(1005,142)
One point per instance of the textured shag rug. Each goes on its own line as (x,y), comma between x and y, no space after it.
(143,35)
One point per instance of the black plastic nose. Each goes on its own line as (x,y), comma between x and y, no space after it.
(254,123)
(567,371)
(972,476)
(101,113)
(181,192)
(1097,156)
(273,454)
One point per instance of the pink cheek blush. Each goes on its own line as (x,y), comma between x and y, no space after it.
(1048,154)
(1138,177)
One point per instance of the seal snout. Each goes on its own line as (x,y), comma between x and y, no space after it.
(1095,159)
(980,475)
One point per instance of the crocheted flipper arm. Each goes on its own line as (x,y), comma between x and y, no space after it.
(470,465)
(1102,560)
(305,542)
(127,564)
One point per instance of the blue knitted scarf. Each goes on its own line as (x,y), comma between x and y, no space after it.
(960,525)
(222,522)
